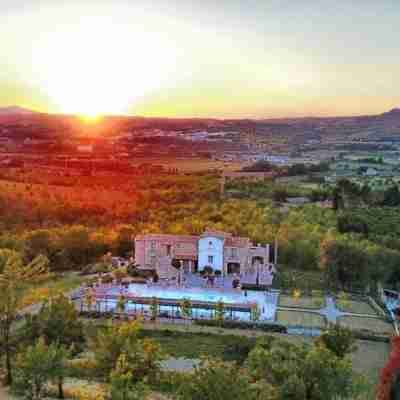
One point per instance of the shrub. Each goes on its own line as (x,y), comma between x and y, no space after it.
(107,279)
(82,368)
(265,327)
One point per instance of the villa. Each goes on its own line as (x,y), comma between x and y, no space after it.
(224,253)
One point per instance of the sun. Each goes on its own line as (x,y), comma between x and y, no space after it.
(99,68)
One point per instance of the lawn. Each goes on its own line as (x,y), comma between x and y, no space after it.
(196,345)
(307,319)
(355,306)
(38,292)
(369,358)
(375,325)
(301,302)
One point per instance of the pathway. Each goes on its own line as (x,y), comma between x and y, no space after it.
(180,364)
(330,311)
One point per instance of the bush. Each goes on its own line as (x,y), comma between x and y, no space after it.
(265,327)
(365,334)
(81,368)
(168,381)
(107,279)
(253,286)
(95,314)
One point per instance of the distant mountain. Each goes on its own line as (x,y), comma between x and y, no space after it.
(15,110)
(394,112)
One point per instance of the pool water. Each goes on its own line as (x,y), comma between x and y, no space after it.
(194,294)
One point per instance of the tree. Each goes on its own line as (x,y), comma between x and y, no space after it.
(144,356)
(352,223)
(345,263)
(302,372)
(255,313)
(124,240)
(220,311)
(89,299)
(217,380)
(391,197)
(338,340)
(119,274)
(280,195)
(154,308)
(36,366)
(389,384)
(57,322)
(14,276)
(121,304)
(123,386)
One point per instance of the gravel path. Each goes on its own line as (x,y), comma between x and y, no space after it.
(180,364)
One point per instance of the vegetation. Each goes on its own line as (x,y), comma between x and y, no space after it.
(338,340)
(60,228)
(14,275)
(38,365)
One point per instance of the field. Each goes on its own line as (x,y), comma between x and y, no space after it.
(301,302)
(357,307)
(306,319)
(375,325)
(191,165)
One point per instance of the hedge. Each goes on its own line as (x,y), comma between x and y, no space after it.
(227,324)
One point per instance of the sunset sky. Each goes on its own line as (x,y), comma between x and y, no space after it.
(220,58)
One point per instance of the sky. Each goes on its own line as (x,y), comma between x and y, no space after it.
(190,58)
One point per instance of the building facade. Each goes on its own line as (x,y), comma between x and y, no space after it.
(219,250)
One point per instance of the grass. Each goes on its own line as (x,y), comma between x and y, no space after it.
(301,302)
(369,358)
(40,291)
(193,345)
(291,278)
(354,306)
(307,319)
(375,325)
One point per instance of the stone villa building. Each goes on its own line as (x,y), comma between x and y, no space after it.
(221,251)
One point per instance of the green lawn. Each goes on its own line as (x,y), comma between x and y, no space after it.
(301,302)
(306,319)
(355,306)
(38,292)
(195,345)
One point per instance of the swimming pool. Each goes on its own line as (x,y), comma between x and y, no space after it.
(194,294)
(237,302)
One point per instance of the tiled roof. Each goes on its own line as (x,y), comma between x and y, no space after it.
(161,236)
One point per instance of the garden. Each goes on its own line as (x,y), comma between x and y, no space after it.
(300,318)
(296,300)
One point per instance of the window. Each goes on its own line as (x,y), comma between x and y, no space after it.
(168,249)
(233,252)
(152,244)
(211,260)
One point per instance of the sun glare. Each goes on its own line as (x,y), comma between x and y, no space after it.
(89,69)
